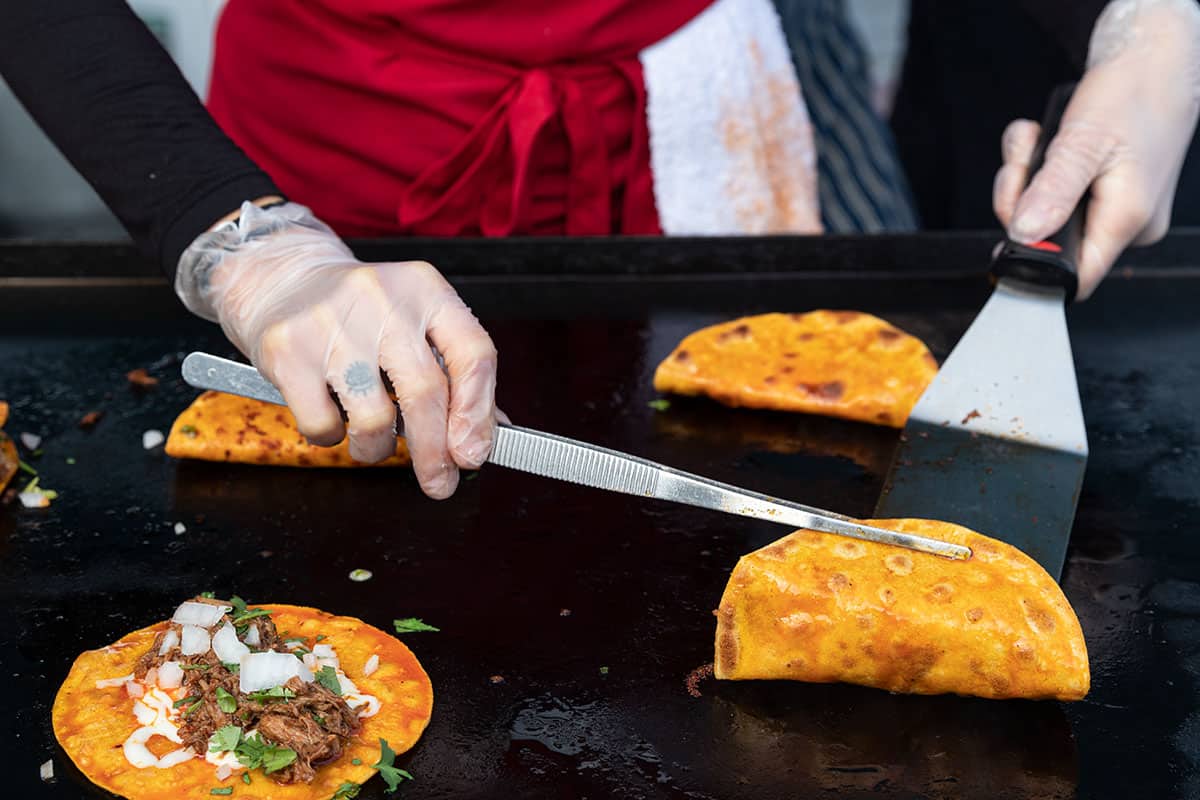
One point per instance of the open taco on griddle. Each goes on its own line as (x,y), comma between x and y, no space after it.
(276,701)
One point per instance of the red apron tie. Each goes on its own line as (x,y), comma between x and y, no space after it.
(500,152)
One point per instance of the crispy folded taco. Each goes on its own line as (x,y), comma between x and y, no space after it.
(276,701)
(225,427)
(8,451)
(823,608)
(837,363)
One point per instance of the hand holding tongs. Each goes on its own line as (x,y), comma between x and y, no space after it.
(578,462)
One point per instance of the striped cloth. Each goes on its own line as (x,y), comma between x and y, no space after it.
(861,184)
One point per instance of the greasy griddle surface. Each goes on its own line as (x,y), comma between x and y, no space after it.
(544,584)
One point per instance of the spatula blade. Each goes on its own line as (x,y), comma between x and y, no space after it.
(997,442)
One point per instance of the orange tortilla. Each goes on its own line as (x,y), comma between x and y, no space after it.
(8,451)
(838,363)
(91,724)
(225,427)
(823,608)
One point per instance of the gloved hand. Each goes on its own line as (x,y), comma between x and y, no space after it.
(1124,134)
(288,292)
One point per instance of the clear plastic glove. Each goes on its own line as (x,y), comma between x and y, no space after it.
(288,292)
(1124,134)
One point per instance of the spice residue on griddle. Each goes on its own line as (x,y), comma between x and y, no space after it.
(692,682)
(89,420)
(972,414)
(141,379)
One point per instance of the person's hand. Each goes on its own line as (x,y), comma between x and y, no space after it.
(1124,134)
(312,318)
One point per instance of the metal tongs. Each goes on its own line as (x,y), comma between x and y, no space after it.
(579,462)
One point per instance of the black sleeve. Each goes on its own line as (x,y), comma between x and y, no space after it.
(113,101)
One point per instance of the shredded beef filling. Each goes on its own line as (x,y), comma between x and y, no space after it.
(316,723)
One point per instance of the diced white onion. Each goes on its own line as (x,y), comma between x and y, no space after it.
(176,757)
(224,771)
(31,441)
(135,749)
(170,639)
(347,685)
(227,646)
(108,683)
(47,770)
(180,529)
(134,689)
(170,675)
(371,665)
(203,615)
(152,439)
(34,499)
(311,662)
(293,645)
(324,651)
(151,678)
(195,641)
(252,637)
(267,670)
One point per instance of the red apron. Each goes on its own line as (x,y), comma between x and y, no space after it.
(448,117)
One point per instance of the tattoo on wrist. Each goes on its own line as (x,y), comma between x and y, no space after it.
(360,378)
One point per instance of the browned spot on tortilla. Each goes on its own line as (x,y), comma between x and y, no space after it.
(899,564)
(974,614)
(941,593)
(770,380)
(682,355)
(838,581)
(844,317)
(889,334)
(830,390)
(1038,618)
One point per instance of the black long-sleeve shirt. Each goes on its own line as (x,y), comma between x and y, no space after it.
(112,100)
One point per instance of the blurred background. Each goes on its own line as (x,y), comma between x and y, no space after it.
(42,197)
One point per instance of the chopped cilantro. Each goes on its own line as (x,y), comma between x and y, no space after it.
(317,718)
(360,575)
(391,775)
(195,666)
(412,625)
(356,761)
(183,701)
(327,677)
(222,790)
(320,636)
(225,738)
(239,605)
(661,404)
(225,701)
(187,712)
(36,453)
(71,461)
(208,595)
(26,468)
(604,670)
(346,790)
(300,652)
(470,476)
(232,667)
(291,639)
(246,616)
(253,752)
(188,430)
(274,693)
(246,778)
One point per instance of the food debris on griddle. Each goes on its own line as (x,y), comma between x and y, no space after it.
(89,420)
(692,682)
(141,379)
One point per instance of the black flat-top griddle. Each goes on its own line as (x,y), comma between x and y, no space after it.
(570,617)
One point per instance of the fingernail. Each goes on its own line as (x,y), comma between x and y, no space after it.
(443,484)
(1029,223)
(477,452)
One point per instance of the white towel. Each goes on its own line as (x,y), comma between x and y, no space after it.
(731,145)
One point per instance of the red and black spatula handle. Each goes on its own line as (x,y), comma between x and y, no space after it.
(1053,261)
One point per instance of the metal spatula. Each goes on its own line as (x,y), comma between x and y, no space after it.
(997,441)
